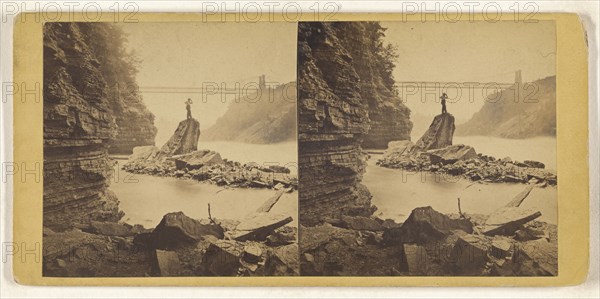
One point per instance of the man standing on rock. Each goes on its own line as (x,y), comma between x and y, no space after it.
(188,107)
(444,97)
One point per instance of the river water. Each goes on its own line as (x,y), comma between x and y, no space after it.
(146,199)
(396,192)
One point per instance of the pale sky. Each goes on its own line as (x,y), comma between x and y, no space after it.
(470,52)
(190,54)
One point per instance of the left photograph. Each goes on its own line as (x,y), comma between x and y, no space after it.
(170,149)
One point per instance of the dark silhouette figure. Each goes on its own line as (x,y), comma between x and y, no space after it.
(188,107)
(444,97)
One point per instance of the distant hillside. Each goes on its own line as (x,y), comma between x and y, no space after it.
(268,117)
(505,117)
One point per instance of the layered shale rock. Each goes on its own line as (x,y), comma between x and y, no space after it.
(91,106)
(134,126)
(345,99)
(333,119)
(78,128)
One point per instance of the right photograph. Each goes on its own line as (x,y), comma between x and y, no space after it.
(427,149)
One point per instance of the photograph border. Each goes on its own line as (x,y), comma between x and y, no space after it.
(572,141)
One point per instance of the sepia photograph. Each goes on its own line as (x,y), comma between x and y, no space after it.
(427,149)
(170,149)
(297,146)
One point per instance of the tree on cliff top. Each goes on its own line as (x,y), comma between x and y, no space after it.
(385,54)
(119,67)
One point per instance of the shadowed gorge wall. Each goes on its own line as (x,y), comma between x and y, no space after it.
(81,121)
(340,87)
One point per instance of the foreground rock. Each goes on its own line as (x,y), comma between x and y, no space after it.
(79,254)
(332,251)
(176,229)
(178,246)
(508,220)
(260,244)
(167,263)
(258,226)
(429,243)
(425,225)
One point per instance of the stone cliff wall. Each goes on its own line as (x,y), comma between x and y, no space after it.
(333,119)
(91,107)
(78,126)
(135,126)
(134,122)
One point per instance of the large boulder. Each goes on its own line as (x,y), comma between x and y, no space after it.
(184,140)
(470,254)
(398,149)
(197,159)
(143,153)
(439,134)
(223,257)
(166,263)
(177,229)
(361,223)
(507,220)
(258,226)
(62,244)
(536,258)
(283,261)
(425,225)
(233,258)
(415,259)
(111,229)
(452,154)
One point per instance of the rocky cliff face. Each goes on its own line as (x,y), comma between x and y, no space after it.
(389,119)
(78,128)
(510,115)
(439,134)
(184,140)
(135,126)
(134,122)
(91,107)
(268,116)
(333,120)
